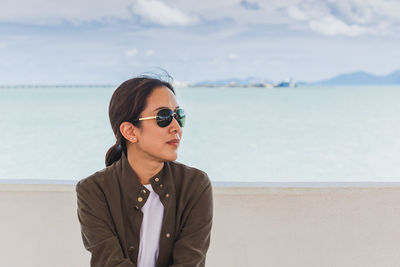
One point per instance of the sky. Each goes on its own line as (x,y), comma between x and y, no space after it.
(98,41)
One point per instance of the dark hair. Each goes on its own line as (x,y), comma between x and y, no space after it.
(126,104)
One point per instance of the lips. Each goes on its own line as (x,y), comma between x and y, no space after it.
(174,142)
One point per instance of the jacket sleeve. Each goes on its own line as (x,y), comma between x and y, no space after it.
(192,244)
(98,235)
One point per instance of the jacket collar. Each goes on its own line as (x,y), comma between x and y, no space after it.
(135,193)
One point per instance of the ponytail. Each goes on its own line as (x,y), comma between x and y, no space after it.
(114,154)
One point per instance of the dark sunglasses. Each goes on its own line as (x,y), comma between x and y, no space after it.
(165,116)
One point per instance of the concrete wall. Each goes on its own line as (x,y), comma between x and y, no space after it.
(253,226)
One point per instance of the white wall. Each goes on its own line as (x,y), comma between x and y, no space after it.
(253,226)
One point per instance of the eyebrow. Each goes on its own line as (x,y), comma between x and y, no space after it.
(164,107)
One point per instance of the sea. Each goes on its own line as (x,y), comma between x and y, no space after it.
(300,134)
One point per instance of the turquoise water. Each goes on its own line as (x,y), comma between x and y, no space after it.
(234,134)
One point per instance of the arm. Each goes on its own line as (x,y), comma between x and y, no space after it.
(192,244)
(96,229)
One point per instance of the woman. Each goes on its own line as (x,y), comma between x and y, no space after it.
(144,209)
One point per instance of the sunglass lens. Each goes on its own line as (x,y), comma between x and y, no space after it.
(164,117)
(180,116)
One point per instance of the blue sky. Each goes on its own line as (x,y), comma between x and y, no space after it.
(52,41)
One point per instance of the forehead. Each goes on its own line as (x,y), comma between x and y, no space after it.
(161,97)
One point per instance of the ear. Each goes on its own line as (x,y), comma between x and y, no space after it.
(128,131)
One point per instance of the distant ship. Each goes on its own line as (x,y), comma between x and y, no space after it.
(285,84)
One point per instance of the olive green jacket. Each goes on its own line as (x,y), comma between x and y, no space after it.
(109,212)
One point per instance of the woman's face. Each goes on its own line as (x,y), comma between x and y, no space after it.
(155,141)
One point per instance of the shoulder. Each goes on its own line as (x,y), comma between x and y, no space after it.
(96,181)
(185,174)
(192,188)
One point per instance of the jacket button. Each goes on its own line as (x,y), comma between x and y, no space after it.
(140,199)
(168,235)
(161,185)
(156,179)
(167,195)
(131,248)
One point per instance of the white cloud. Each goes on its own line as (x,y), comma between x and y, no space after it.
(296,13)
(331,17)
(328,17)
(232,56)
(149,52)
(77,11)
(348,17)
(163,12)
(160,13)
(131,53)
(334,26)
(54,12)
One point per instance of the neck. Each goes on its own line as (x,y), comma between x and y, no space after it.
(144,167)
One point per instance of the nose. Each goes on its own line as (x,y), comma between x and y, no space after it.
(175,127)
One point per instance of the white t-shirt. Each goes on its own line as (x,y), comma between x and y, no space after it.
(153,212)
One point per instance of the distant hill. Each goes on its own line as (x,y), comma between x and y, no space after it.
(362,78)
(354,78)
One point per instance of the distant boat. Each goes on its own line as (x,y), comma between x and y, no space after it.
(285,84)
(288,82)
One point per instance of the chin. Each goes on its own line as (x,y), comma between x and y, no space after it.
(171,156)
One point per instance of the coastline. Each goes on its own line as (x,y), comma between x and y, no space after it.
(309,184)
